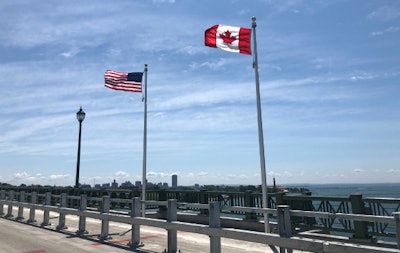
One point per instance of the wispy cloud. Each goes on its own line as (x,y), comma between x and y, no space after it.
(391,29)
(386,13)
(322,96)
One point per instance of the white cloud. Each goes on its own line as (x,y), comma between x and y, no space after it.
(122,174)
(152,174)
(385,13)
(70,53)
(20,175)
(213,64)
(202,174)
(316,92)
(23,178)
(163,1)
(362,76)
(59,176)
(391,29)
(376,33)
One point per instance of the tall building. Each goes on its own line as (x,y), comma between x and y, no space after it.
(114,185)
(174,181)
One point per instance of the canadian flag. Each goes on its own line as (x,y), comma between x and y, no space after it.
(229,38)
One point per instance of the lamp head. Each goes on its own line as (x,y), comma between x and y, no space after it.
(80,115)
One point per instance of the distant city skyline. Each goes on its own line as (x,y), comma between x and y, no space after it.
(173,183)
(329,80)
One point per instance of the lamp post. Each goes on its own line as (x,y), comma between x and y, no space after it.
(80,115)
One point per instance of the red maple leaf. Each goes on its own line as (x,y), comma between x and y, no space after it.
(227,38)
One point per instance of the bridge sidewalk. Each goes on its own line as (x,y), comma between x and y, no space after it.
(47,239)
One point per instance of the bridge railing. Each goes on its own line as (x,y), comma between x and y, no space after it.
(354,204)
(284,239)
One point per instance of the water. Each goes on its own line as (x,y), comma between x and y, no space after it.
(383,190)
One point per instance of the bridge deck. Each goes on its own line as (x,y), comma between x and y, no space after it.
(18,237)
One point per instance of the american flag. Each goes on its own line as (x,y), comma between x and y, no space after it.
(123,81)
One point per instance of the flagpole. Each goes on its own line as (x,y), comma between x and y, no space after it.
(260,130)
(144,182)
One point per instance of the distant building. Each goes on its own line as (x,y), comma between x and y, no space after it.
(97,186)
(165,185)
(138,184)
(127,184)
(114,185)
(106,185)
(174,181)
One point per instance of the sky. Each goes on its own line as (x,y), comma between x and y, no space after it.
(329,83)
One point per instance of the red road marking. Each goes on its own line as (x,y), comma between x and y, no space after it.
(35,251)
(150,236)
(119,241)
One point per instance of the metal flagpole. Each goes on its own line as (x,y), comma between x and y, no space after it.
(260,130)
(144,144)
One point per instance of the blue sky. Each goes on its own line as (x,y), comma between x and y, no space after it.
(329,78)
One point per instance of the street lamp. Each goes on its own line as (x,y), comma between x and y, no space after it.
(80,115)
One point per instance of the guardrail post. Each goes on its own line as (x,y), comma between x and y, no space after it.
(10,205)
(284,224)
(2,197)
(105,221)
(82,218)
(21,208)
(61,219)
(215,241)
(357,206)
(135,235)
(172,233)
(397,223)
(46,214)
(248,200)
(33,210)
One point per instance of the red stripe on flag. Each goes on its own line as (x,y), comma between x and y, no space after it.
(244,41)
(123,81)
(210,38)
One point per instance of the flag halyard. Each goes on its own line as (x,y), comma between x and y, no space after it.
(131,82)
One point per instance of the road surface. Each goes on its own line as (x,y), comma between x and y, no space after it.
(20,237)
